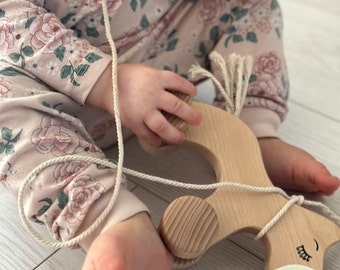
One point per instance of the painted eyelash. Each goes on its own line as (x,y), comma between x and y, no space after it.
(303,253)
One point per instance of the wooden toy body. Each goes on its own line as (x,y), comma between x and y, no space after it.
(191,225)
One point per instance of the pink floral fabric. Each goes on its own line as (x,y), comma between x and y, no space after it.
(7,38)
(64,172)
(47,33)
(5,88)
(83,191)
(55,137)
(211,10)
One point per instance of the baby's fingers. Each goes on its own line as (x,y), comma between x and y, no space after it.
(158,124)
(144,133)
(173,105)
(174,82)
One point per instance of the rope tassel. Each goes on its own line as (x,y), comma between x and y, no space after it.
(235,73)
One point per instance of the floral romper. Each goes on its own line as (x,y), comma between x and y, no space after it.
(51,55)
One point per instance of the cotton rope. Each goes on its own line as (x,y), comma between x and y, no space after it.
(236,76)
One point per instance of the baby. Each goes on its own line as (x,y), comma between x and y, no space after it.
(56,100)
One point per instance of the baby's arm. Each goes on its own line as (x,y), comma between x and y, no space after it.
(49,51)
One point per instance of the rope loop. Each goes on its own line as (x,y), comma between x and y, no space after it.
(299,199)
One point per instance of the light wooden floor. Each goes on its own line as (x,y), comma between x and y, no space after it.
(312,35)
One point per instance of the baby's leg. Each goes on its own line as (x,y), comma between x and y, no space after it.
(258,32)
(130,245)
(292,168)
(37,125)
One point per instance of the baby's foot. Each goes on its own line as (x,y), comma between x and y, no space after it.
(292,168)
(130,245)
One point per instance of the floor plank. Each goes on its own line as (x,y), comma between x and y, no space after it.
(312,44)
(316,134)
(17,248)
(64,259)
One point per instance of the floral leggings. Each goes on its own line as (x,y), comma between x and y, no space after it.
(38,123)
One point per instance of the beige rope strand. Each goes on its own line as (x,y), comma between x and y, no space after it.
(227,92)
(293,200)
(197,72)
(220,63)
(242,81)
(238,83)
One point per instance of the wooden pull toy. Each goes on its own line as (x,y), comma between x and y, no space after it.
(191,225)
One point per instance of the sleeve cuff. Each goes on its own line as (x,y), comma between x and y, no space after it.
(87,82)
(126,206)
(263,122)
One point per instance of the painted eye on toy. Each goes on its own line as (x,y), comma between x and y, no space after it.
(303,253)
(317,244)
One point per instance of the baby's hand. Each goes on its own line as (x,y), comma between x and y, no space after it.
(144,92)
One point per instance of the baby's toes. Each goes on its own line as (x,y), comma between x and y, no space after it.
(326,183)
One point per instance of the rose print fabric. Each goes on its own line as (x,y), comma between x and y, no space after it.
(52,52)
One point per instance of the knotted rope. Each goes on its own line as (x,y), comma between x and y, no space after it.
(235,74)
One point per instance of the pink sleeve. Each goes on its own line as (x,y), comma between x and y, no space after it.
(36,41)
